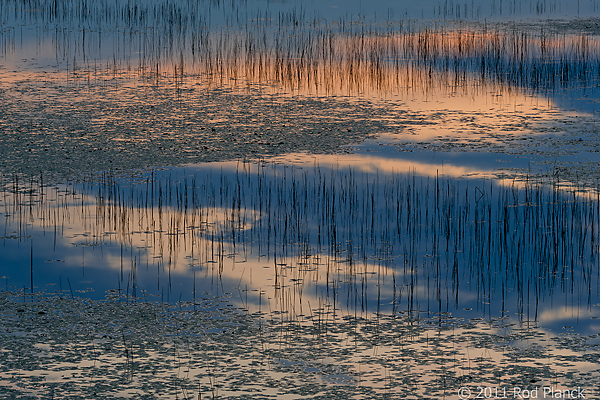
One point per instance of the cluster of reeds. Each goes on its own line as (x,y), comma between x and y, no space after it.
(170,41)
(355,240)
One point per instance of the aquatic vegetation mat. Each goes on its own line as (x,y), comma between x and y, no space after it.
(61,347)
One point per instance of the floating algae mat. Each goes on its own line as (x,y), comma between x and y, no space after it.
(59,347)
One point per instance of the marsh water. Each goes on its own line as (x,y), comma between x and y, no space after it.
(221,199)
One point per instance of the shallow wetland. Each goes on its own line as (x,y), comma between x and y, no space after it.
(221,199)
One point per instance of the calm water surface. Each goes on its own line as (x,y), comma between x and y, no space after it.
(299,199)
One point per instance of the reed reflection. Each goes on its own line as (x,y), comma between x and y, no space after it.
(286,238)
(294,52)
